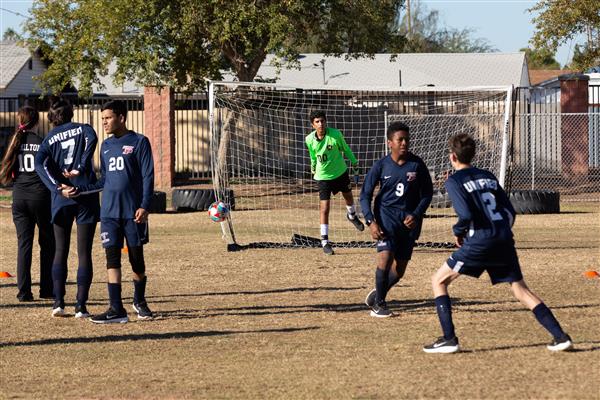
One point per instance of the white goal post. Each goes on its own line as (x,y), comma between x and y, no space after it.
(261,165)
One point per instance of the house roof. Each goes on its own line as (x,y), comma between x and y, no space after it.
(537,76)
(406,70)
(12,58)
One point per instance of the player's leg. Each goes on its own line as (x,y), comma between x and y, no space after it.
(111,234)
(440,281)
(343,185)
(85,269)
(137,235)
(47,246)
(384,262)
(543,315)
(324,204)
(62,225)
(25,225)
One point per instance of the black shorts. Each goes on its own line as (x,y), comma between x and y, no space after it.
(339,184)
(113,232)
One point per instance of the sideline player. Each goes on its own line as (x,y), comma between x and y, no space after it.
(127,178)
(485,240)
(405,192)
(30,205)
(65,158)
(327,147)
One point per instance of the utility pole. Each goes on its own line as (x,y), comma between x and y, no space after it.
(408,18)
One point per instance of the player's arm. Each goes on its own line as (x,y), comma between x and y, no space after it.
(347,151)
(90,143)
(426,190)
(313,156)
(366,198)
(503,200)
(47,169)
(95,187)
(146,163)
(459,202)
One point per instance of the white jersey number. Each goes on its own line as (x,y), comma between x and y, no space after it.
(69,145)
(490,204)
(26,163)
(116,164)
(400,189)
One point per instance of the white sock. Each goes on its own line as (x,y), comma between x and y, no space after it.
(324,234)
(351,211)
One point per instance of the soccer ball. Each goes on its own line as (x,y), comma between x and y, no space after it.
(218,211)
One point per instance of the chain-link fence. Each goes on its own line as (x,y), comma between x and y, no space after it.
(558,151)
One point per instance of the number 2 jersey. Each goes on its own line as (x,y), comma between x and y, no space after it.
(485,215)
(67,147)
(403,189)
(127,179)
(27,184)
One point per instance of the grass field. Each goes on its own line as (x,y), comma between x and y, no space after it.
(291,323)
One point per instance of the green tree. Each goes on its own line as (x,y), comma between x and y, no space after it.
(540,59)
(180,43)
(559,21)
(427,36)
(11,35)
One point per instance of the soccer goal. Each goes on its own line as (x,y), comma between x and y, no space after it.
(259,156)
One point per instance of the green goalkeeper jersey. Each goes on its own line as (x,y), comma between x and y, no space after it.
(327,155)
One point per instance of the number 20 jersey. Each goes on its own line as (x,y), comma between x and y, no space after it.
(485,214)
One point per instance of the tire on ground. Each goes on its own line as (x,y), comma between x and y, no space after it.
(158,204)
(198,199)
(535,201)
(440,200)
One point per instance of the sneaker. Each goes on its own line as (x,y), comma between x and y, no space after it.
(81,312)
(25,297)
(561,345)
(370,299)
(380,311)
(327,249)
(111,316)
(143,311)
(58,309)
(356,222)
(442,345)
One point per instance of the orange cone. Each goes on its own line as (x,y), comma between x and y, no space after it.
(591,274)
(125,250)
(4,274)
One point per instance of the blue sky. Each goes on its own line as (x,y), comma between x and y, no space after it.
(505,24)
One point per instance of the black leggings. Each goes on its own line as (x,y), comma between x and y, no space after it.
(85,240)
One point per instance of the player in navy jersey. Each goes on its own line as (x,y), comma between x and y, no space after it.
(405,192)
(65,157)
(484,236)
(127,178)
(30,204)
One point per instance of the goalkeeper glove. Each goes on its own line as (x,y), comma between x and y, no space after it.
(355,172)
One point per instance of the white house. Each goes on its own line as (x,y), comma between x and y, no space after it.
(18,66)
(405,70)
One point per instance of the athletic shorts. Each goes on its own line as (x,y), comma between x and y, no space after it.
(399,243)
(113,231)
(339,184)
(81,213)
(500,261)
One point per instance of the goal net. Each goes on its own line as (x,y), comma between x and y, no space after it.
(262,168)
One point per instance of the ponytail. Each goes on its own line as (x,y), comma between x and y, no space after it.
(28,118)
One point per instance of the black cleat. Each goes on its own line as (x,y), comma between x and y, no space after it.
(327,249)
(371,297)
(562,344)
(442,345)
(142,310)
(27,297)
(111,316)
(380,311)
(356,222)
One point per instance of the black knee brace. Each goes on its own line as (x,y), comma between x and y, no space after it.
(136,258)
(113,257)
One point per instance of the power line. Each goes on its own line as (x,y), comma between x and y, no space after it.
(14,12)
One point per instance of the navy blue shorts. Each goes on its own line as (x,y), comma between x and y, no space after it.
(500,261)
(113,231)
(81,213)
(399,243)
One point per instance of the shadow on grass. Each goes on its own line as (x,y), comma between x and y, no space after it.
(593,346)
(150,336)
(268,291)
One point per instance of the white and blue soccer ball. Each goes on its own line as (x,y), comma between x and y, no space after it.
(218,211)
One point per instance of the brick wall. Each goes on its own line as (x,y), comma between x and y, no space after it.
(159,127)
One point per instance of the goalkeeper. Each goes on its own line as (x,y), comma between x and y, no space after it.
(327,148)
